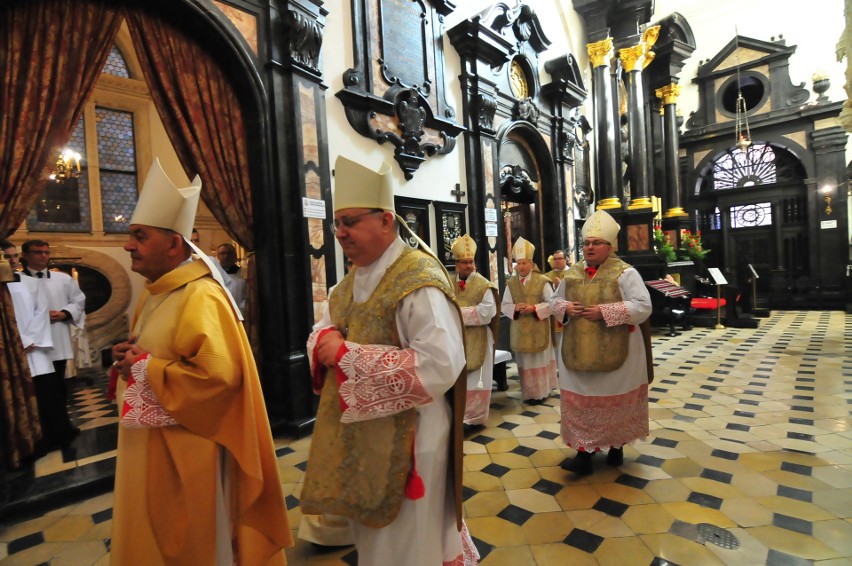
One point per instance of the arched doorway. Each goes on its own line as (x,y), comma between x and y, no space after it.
(527,187)
(752,210)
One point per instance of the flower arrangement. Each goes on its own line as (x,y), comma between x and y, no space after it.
(691,247)
(665,250)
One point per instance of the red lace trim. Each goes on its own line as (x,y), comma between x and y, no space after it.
(141,407)
(476,406)
(538,382)
(470,316)
(615,314)
(596,423)
(469,555)
(378,381)
(559,307)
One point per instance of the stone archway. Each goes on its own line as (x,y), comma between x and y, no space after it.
(108,322)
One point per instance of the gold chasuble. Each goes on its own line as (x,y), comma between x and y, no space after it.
(203,374)
(359,470)
(476,337)
(527,333)
(591,345)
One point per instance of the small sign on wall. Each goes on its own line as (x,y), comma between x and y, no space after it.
(313,208)
(491,215)
(490,229)
(828,224)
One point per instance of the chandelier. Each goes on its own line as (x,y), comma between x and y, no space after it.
(742,135)
(67,166)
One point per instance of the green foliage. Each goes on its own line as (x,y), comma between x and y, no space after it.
(691,247)
(665,250)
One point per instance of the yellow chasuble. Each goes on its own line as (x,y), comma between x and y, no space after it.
(204,375)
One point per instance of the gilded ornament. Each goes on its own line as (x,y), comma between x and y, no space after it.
(631,57)
(668,93)
(518,80)
(600,52)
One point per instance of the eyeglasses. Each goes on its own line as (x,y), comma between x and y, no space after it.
(351,221)
(595,243)
(39,252)
(559,259)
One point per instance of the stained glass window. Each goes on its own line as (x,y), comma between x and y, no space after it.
(117,155)
(116,65)
(751,215)
(736,168)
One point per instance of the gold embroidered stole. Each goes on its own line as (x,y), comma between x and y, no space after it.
(591,345)
(359,470)
(476,337)
(527,333)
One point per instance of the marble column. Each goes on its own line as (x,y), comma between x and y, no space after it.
(668,95)
(608,166)
(633,60)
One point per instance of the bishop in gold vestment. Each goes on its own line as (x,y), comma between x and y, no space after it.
(387,358)
(526,301)
(605,363)
(196,476)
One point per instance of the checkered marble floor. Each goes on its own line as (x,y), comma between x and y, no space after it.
(750,444)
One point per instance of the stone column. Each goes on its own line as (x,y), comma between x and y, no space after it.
(668,95)
(608,167)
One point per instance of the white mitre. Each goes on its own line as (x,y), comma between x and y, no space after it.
(601,225)
(357,186)
(163,205)
(522,249)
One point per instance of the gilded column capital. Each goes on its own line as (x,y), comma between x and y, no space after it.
(668,93)
(632,57)
(600,52)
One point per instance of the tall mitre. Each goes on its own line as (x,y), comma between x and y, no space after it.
(463,248)
(601,224)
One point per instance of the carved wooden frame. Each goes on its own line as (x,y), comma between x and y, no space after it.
(442,245)
(419,208)
(395,90)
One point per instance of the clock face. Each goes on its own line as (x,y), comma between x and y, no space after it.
(518,80)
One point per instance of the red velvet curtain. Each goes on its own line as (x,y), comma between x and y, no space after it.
(51,54)
(204,121)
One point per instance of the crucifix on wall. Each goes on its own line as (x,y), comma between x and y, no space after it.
(457,192)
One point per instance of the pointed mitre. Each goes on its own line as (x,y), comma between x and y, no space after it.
(522,249)
(464,248)
(601,225)
(357,186)
(163,205)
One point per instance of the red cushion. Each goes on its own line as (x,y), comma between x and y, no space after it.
(705,303)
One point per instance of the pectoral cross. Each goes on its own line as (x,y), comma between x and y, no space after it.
(458,193)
